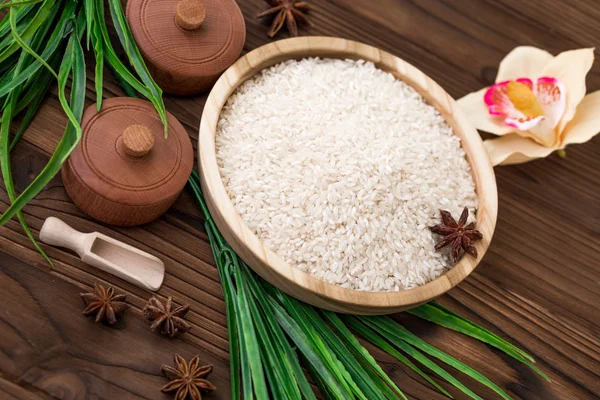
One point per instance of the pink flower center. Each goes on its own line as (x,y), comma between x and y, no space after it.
(534,109)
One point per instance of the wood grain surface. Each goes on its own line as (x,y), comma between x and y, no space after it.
(537,286)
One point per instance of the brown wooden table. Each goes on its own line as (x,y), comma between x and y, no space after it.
(538,286)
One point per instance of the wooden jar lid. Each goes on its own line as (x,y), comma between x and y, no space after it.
(187,44)
(124,172)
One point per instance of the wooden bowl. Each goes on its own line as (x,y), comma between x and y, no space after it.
(273,268)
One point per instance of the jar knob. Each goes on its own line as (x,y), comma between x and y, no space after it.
(190,14)
(137,140)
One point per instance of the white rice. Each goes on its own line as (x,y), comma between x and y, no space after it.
(340,169)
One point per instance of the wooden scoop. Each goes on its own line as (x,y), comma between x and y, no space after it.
(110,255)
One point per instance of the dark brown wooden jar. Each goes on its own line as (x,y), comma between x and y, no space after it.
(187,44)
(124,172)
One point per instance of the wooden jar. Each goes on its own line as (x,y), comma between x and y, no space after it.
(124,172)
(187,44)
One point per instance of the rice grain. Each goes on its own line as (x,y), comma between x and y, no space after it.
(340,168)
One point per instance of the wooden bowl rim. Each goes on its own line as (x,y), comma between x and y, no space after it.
(330,47)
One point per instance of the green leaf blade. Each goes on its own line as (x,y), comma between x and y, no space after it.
(72,60)
(399,332)
(136,60)
(374,337)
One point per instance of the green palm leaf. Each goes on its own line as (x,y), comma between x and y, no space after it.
(398,334)
(340,366)
(281,378)
(16,3)
(287,360)
(121,72)
(375,338)
(6,171)
(32,36)
(439,315)
(88,6)
(356,347)
(73,60)
(98,45)
(53,43)
(248,332)
(29,30)
(234,346)
(136,60)
(319,366)
(22,12)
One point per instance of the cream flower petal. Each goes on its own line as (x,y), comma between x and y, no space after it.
(543,133)
(586,122)
(523,61)
(570,68)
(514,149)
(478,114)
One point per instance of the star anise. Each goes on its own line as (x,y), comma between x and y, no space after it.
(457,234)
(169,319)
(188,379)
(104,303)
(290,12)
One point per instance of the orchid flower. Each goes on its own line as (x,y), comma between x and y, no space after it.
(538,105)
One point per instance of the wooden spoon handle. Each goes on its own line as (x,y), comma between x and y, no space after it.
(56,233)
